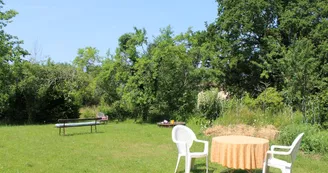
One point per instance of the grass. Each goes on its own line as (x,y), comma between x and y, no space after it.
(236,112)
(122,147)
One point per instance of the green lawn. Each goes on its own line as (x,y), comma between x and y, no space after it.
(123,147)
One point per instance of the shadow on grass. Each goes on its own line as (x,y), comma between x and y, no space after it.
(227,170)
(201,168)
(82,133)
(199,171)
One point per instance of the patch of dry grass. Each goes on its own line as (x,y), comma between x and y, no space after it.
(268,132)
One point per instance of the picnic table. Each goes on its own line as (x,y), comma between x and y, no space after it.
(161,124)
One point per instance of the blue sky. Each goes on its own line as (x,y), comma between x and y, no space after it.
(57,28)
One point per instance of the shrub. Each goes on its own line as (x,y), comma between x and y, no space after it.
(323,107)
(250,102)
(115,111)
(270,99)
(89,112)
(314,139)
(243,111)
(209,104)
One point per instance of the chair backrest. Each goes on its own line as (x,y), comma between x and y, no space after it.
(295,146)
(181,133)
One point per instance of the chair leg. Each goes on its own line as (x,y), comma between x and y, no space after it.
(192,163)
(206,164)
(176,167)
(287,170)
(187,164)
(265,168)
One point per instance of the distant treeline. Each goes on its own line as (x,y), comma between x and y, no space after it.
(252,46)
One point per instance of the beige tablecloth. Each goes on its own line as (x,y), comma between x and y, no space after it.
(239,152)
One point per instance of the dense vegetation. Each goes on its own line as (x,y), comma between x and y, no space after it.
(273,55)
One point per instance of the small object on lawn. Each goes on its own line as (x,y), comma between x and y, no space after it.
(162,124)
(104,118)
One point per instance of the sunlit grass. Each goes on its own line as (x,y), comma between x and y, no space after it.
(123,147)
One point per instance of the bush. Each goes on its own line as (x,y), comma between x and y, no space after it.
(208,104)
(323,108)
(314,139)
(249,101)
(243,111)
(115,111)
(270,99)
(89,112)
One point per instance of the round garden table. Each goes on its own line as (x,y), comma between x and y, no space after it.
(239,152)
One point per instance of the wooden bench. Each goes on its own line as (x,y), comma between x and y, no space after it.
(64,123)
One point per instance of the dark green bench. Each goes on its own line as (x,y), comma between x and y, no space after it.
(64,123)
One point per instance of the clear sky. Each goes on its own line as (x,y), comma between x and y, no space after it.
(57,28)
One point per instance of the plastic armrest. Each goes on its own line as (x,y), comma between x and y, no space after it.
(205,144)
(273,147)
(278,153)
(179,142)
(202,141)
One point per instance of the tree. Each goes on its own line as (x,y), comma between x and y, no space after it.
(254,34)
(300,72)
(155,87)
(10,60)
(244,29)
(88,63)
(87,60)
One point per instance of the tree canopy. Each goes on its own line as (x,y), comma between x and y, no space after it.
(253,48)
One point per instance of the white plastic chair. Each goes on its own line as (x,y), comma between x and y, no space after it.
(284,166)
(184,138)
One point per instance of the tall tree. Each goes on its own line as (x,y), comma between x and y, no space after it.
(254,35)
(87,59)
(300,71)
(10,60)
(88,63)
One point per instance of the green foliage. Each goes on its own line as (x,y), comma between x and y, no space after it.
(200,121)
(88,65)
(42,93)
(89,112)
(270,99)
(116,111)
(209,104)
(87,60)
(244,29)
(10,58)
(281,44)
(243,111)
(299,67)
(144,83)
(314,139)
(323,108)
(249,101)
